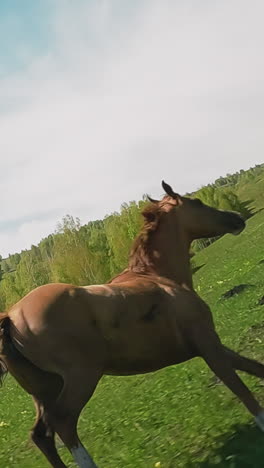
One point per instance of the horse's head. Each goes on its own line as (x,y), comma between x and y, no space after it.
(196,219)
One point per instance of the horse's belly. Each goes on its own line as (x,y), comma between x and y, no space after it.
(130,366)
(145,355)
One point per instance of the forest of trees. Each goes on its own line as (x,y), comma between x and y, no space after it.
(95,252)
(241,176)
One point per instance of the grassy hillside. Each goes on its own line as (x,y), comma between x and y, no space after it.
(253,191)
(180,416)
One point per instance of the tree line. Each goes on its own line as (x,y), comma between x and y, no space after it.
(93,253)
(240,176)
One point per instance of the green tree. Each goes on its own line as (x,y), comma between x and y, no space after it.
(121,229)
(72,260)
(94,235)
(9,294)
(31,271)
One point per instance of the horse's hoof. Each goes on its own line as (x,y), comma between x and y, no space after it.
(260,420)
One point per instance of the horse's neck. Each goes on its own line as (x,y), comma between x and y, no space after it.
(166,253)
(170,256)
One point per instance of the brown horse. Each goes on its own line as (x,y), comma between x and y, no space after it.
(60,339)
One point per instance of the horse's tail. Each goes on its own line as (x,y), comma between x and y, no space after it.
(33,379)
(4,326)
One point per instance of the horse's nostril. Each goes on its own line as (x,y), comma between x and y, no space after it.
(239,222)
(238,225)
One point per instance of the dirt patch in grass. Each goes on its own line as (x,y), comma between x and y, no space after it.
(254,336)
(261,301)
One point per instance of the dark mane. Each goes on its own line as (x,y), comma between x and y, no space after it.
(139,258)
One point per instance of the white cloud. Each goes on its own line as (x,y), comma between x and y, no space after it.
(25,234)
(123,99)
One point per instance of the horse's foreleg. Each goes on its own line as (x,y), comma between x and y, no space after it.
(251,366)
(213,352)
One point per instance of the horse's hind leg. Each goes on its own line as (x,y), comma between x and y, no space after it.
(251,366)
(212,351)
(43,385)
(77,390)
(43,436)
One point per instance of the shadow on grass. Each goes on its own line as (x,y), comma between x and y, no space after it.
(249,209)
(197,268)
(257,210)
(243,449)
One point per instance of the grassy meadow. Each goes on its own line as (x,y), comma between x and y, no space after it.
(180,416)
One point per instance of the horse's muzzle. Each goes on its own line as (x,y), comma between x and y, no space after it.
(238,225)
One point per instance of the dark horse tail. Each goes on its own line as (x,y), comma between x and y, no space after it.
(4,329)
(11,360)
(33,379)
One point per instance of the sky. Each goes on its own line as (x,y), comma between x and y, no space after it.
(102,99)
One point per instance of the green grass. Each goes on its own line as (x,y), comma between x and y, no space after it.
(180,416)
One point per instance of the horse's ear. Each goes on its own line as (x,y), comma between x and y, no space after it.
(152,199)
(167,188)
